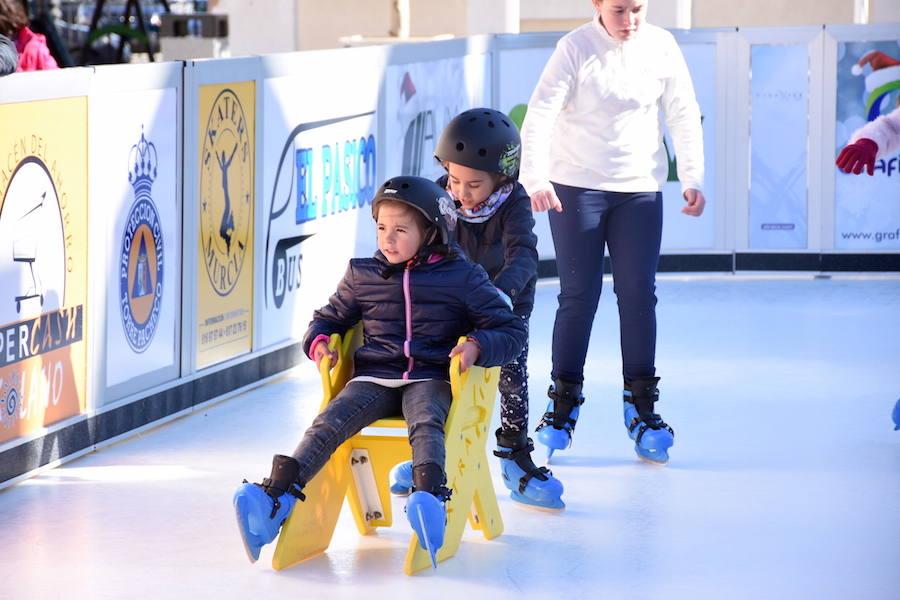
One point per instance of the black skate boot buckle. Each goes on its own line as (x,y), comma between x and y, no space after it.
(563,404)
(522,458)
(644,395)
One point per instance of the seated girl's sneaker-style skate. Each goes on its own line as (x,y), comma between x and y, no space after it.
(262,508)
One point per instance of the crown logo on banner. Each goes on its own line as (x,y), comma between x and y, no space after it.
(143,161)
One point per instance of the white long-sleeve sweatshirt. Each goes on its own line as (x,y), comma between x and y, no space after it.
(884,131)
(593,120)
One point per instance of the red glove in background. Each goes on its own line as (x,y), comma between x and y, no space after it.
(857,155)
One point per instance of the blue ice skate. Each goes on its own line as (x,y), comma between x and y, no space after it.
(558,423)
(427,515)
(529,485)
(652,436)
(261,509)
(401,478)
(896,416)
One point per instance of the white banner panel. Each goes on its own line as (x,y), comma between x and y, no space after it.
(520,70)
(867,209)
(779,109)
(136,189)
(319,176)
(420,99)
(679,230)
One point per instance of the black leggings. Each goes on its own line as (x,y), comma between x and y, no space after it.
(514,391)
(630,224)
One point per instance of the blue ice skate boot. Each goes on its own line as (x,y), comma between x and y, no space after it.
(426,508)
(896,416)
(262,508)
(401,478)
(558,423)
(529,485)
(652,436)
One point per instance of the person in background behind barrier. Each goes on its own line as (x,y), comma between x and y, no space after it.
(9,58)
(403,364)
(34,55)
(594,156)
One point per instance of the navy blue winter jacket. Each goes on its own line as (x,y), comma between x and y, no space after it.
(506,246)
(412,316)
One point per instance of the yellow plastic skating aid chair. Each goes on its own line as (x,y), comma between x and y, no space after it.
(358,470)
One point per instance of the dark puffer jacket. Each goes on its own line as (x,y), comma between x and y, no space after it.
(412,317)
(506,246)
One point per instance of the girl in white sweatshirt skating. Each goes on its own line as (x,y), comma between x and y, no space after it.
(594,156)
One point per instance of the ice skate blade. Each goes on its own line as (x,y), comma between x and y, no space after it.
(653,461)
(244,529)
(524,502)
(432,553)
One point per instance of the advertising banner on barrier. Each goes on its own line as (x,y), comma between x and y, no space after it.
(520,69)
(420,99)
(680,231)
(43,264)
(779,110)
(227,116)
(136,145)
(867,209)
(319,178)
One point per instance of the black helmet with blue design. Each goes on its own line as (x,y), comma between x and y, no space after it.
(483,139)
(423,195)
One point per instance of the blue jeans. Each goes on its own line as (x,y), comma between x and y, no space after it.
(425,406)
(630,224)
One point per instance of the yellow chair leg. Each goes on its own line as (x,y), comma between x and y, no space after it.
(468,473)
(308,530)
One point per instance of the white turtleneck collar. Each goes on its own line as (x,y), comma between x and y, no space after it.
(601,29)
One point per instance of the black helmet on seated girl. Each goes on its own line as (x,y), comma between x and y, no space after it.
(426,197)
(484,139)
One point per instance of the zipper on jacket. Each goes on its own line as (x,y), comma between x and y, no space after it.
(408,308)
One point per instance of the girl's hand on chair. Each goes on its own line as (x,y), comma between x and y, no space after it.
(320,351)
(468,352)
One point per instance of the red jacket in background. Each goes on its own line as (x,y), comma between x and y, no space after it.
(34,55)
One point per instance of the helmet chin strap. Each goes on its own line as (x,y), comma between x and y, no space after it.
(433,234)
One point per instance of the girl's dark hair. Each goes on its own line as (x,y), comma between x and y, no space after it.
(12,18)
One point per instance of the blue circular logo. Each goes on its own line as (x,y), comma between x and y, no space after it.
(141,274)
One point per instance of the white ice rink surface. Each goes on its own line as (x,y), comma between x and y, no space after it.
(784,480)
